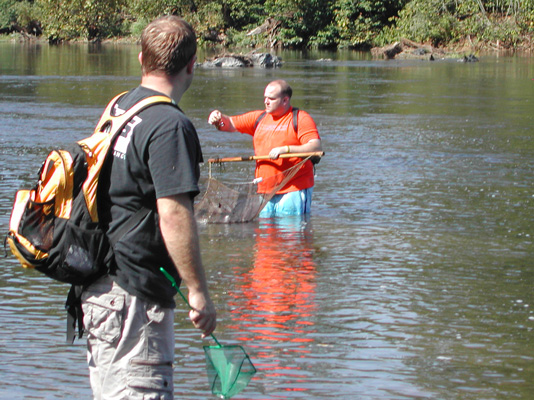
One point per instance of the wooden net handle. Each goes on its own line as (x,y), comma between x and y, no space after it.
(254,158)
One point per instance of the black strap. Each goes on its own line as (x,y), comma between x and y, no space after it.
(295,119)
(73,305)
(131,223)
(259,119)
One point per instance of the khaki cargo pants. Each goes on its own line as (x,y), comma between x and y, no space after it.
(130,344)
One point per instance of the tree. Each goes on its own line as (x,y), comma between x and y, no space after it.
(87,19)
(19,16)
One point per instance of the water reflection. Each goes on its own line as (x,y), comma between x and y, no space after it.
(276,303)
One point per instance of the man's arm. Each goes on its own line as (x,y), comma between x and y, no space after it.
(179,231)
(311,146)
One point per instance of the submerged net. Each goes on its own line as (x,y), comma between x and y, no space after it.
(233,202)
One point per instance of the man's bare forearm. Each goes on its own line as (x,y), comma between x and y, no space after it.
(179,231)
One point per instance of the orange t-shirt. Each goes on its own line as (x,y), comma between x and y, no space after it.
(271,133)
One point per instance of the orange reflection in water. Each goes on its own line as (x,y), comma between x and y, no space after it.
(275,302)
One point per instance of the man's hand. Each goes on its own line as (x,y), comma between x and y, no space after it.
(221,122)
(215,118)
(202,314)
(276,151)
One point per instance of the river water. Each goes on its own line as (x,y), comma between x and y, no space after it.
(413,277)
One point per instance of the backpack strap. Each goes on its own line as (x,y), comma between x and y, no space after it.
(73,306)
(105,134)
(128,225)
(107,111)
(115,124)
(259,119)
(295,119)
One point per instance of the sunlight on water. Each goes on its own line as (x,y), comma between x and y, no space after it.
(411,279)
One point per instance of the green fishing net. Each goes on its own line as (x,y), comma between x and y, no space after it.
(229,370)
(229,367)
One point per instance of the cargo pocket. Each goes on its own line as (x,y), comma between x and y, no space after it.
(102,315)
(150,379)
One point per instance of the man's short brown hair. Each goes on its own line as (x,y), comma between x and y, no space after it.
(168,44)
(285,89)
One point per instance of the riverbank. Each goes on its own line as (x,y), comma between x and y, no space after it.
(457,49)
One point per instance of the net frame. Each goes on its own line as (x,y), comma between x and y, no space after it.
(229,369)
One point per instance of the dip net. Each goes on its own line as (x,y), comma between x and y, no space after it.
(229,367)
(233,201)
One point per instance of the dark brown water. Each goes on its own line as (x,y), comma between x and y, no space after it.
(414,276)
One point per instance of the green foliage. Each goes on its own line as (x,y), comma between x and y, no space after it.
(28,16)
(295,23)
(149,9)
(135,28)
(239,38)
(208,17)
(8,15)
(242,13)
(358,22)
(442,22)
(85,19)
(328,37)
(423,21)
(504,32)
(301,20)
(20,15)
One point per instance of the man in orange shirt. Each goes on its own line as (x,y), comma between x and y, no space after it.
(274,133)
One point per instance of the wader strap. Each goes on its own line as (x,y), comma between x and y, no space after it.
(73,305)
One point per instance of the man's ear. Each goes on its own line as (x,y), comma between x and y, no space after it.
(191,64)
(140,57)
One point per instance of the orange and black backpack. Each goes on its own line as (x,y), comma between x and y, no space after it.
(54,226)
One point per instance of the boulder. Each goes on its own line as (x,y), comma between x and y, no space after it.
(226,62)
(265,60)
(261,60)
(469,58)
(409,50)
(406,49)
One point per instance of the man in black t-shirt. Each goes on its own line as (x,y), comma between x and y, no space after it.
(128,314)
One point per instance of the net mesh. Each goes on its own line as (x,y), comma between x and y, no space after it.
(229,370)
(233,202)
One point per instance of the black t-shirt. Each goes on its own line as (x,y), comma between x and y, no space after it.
(156,155)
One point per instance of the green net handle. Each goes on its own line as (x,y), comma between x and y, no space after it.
(173,282)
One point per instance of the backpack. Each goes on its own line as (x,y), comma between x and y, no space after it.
(55,226)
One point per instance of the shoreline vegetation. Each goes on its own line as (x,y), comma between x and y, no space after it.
(422,28)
